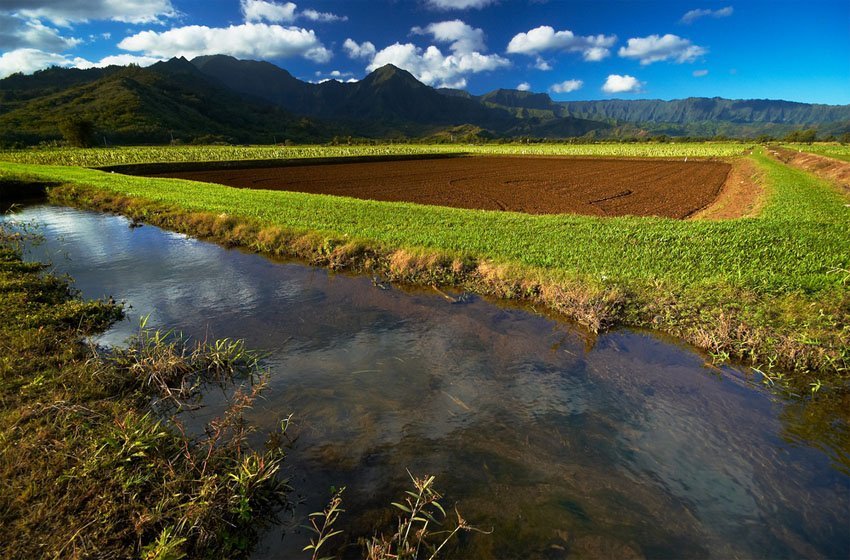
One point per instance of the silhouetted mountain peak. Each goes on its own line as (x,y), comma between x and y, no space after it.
(174,66)
(390,74)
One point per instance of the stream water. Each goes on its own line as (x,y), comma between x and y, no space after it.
(622,446)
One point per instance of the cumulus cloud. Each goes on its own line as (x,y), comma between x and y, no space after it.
(333,74)
(363,50)
(545,38)
(259,10)
(656,48)
(694,15)
(65,12)
(567,86)
(249,40)
(18,33)
(313,15)
(432,67)
(524,86)
(28,61)
(622,84)
(700,73)
(463,37)
(272,12)
(542,64)
(459,4)
(118,60)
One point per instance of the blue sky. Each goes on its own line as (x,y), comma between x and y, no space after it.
(572,50)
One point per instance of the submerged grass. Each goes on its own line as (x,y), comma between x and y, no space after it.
(93,461)
(767,290)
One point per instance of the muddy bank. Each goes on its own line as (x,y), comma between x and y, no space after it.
(827,168)
(589,186)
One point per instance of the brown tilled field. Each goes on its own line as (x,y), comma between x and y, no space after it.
(596,187)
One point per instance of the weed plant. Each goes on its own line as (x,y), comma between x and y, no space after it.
(94,460)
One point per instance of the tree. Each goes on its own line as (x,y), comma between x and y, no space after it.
(77,132)
(807,136)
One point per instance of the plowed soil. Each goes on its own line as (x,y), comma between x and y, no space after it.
(595,187)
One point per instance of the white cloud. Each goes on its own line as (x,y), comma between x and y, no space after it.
(524,86)
(17,33)
(567,86)
(694,15)
(118,60)
(545,38)
(28,61)
(700,73)
(595,54)
(249,40)
(622,84)
(459,4)
(333,74)
(542,64)
(259,10)
(255,11)
(655,48)
(463,37)
(432,67)
(363,50)
(65,12)
(313,15)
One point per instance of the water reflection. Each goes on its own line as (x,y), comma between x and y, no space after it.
(630,448)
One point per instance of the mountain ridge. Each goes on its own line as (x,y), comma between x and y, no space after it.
(218,97)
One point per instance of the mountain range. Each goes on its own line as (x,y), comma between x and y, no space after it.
(220,98)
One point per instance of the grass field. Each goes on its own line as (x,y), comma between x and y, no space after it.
(837,151)
(100,157)
(771,290)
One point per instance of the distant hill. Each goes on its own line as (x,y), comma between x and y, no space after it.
(221,98)
(696,116)
(142,105)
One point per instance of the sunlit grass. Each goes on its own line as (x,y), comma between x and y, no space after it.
(752,288)
(837,151)
(99,157)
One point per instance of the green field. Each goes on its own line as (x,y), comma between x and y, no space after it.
(771,290)
(99,157)
(837,151)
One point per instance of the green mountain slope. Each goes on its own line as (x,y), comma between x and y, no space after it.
(153,105)
(222,98)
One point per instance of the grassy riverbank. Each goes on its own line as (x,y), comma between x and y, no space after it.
(770,290)
(93,462)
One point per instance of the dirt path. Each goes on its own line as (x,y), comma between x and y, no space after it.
(590,186)
(824,167)
(742,195)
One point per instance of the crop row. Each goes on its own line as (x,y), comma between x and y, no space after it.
(97,157)
(838,151)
